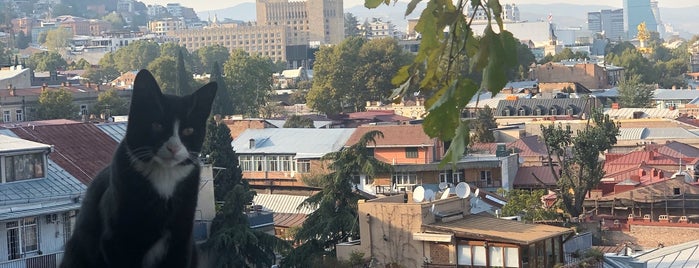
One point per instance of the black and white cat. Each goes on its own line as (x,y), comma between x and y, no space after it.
(139,210)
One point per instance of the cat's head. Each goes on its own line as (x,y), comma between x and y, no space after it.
(166,130)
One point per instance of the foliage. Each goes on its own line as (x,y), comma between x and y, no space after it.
(446,64)
(348,75)
(222,103)
(209,55)
(565,54)
(81,64)
(525,58)
(578,158)
(57,39)
(661,65)
(634,94)
(115,19)
(217,148)
(46,61)
(172,49)
(232,242)
(249,78)
(335,217)
(183,78)
(297,121)
(164,70)
(56,104)
(22,40)
(102,74)
(483,126)
(137,55)
(351,23)
(528,205)
(110,100)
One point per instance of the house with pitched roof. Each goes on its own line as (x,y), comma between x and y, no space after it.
(416,157)
(280,158)
(38,203)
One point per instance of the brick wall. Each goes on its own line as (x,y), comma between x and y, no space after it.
(649,236)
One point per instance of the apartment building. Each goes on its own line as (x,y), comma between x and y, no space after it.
(268,40)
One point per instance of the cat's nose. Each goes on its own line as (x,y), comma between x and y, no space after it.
(173,148)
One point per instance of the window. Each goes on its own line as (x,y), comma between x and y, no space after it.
(486,177)
(6,116)
(450,176)
(22,237)
(303,165)
(404,178)
(245,162)
(286,163)
(258,163)
(83,109)
(24,167)
(273,163)
(20,115)
(68,225)
(411,152)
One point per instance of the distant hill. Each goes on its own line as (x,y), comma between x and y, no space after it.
(564,15)
(241,12)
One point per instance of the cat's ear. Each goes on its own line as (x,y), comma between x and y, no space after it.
(146,92)
(202,100)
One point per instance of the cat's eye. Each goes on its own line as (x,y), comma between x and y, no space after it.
(187,131)
(157,127)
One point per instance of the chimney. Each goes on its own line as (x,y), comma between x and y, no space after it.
(252,144)
(43,87)
(89,85)
(674,87)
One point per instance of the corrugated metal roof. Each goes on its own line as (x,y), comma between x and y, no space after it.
(682,255)
(40,210)
(289,219)
(628,113)
(308,141)
(680,94)
(669,133)
(631,133)
(116,131)
(280,123)
(282,203)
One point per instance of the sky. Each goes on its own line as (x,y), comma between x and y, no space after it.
(200,5)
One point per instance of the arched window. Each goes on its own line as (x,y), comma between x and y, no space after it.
(505,112)
(553,111)
(537,111)
(522,112)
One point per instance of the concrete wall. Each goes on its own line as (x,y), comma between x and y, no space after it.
(649,237)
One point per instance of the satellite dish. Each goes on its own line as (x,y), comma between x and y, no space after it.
(419,194)
(429,195)
(478,191)
(462,190)
(521,160)
(443,185)
(445,194)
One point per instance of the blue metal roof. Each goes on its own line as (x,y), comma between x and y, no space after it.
(57,185)
(679,94)
(115,130)
(302,142)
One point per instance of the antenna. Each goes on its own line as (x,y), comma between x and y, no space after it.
(429,195)
(443,185)
(445,194)
(419,194)
(463,190)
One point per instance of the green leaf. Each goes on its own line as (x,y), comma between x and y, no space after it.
(497,12)
(372,3)
(458,145)
(400,91)
(411,7)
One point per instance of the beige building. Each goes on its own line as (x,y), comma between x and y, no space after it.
(163,26)
(443,233)
(282,27)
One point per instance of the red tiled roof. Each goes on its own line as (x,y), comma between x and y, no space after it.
(529,146)
(524,177)
(379,116)
(394,135)
(81,149)
(648,157)
(483,148)
(289,219)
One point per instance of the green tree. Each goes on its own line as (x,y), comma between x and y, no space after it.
(250,81)
(165,72)
(525,58)
(443,59)
(335,217)
(578,158)
(56,104)
(527,204)
(209,54)
(137,55)
(351,23)
(103,74)
(483,126)
(223,105)
(115,19)
(22,40)
(109,103)
(297,121)
(634,94)
(57,39)
(46,61)
(232,242)
(379,60)
(183,78)
(81,64)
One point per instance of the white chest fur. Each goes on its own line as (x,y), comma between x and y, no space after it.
(165,179)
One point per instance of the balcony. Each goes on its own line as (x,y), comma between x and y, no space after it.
(41,261)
